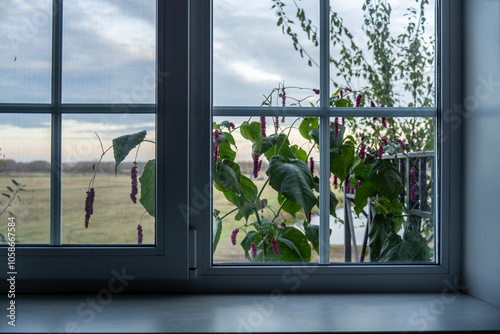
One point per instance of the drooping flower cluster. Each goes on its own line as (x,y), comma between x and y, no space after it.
(283,224)
(384,140)
(89,205)
(275,246)
(215,147)
(256,165)
(384,123)
(316,91)
(283,97)
(358,100)
(361,153)
(336,125)
(233,236)
(372,104)
(276,124)
(380,151)
(231,124)
(263,126)
(311,165)
(401,143)
(254,250)
(133,176)
(413,185)
(139,234)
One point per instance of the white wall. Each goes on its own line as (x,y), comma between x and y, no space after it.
(481,233)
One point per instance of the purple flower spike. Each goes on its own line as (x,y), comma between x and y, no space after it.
(233,236)
(413,185)
(380,151)
(363,136)
(361,153)
(384,140)
(349,90)
(401,143)
(89,206)
(358,100)
(133,176)
(384,123)
(256,165)
(263,126)
(382,105)
(231,124)
(311,165)
(316,91)
(375,118)
(283,224)
(283,97)
(254,250)
(283,119)
(336,124)
(372,104)
(275,246)
(262,204)
(276,124)
(341,94)
(139,234)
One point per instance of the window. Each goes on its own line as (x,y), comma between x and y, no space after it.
(190,90)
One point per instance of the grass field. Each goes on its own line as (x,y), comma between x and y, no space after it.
(115,217)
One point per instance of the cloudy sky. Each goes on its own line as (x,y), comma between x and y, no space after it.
(109,56)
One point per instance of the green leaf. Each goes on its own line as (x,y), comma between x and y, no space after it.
(124,144)
(280,148)
(216,233)
(293,180)
(365,191)
(225,151)
(290,206)
(292,246)
(312,234)
(413,247)
(359,170)
(340,164)
(269,142)
(252,132)
(307,125)
(380,228)
(299,153)
(148,187)
(227,177)
(386,179)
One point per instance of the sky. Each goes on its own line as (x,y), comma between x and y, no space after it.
(109,57)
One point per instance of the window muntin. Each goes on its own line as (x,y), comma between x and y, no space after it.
(406,117)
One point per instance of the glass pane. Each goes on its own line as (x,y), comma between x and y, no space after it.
(253,222)
(25,55)
(253,53)
(25,177)
(384,50)
(114,217)
(385,178)
(109,51)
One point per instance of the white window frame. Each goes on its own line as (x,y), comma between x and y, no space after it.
(181,259)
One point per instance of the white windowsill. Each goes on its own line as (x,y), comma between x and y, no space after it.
(289,313)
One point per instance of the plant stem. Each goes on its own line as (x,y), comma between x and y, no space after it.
(227,214)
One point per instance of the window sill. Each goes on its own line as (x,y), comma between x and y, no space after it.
(287,313)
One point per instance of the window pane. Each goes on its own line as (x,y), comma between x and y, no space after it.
(387,207)
(115,217)
(25,160)
(109,51)
(25,55)
(253,53)
(245,198)
(384,50)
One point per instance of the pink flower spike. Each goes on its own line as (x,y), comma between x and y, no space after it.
(256,166)
(382,105)
(316,91)
(262,204)
(361,153)
(283,97)
(349,90)
(384,123)
(133,176)
(233,236)
(139,234)
(89,206)
(401,143)
(363,136)
(216,135)
(372,104)
(336,124)
(263,126)
(276,124)
(358,100)
(254,250)
(375,118)
(413,185)
(275,246)
(384,140)
(231,124)
(283,224)
(311,165)
(341,94)
(380,151)
(283,119)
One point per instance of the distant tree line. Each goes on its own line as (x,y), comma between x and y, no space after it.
(9,166)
